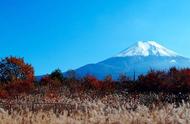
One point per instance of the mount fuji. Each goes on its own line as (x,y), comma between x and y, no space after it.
(137,59)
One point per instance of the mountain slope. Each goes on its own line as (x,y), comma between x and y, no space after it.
(138,59)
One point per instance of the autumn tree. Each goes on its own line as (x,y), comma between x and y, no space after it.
(92,82)
(16,75)
(179,80)
(108,83)
(152,81)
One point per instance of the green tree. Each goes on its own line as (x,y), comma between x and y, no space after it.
(57,75)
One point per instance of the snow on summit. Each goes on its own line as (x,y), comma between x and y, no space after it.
(149,48)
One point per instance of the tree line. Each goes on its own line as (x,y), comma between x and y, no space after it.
(17,77)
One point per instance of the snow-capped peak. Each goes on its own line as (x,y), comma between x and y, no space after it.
(149,48)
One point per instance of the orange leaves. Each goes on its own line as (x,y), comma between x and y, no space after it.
(175,80)
(16,75)
(93,82)
(96,84)
(12,68)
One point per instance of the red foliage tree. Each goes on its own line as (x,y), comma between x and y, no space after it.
(93,82)
(108,83)
(186,77)
(16,75)
(180,80)
(152,81)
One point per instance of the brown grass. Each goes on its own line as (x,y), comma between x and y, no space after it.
(90,108)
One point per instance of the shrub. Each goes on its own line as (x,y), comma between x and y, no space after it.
(92,82)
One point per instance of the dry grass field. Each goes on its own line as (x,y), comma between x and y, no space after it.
(93,108)
(167,114)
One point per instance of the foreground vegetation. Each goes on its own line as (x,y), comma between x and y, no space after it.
(167,115)
(157,97)
(91,108)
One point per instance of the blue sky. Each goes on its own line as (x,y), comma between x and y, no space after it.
(67,34)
